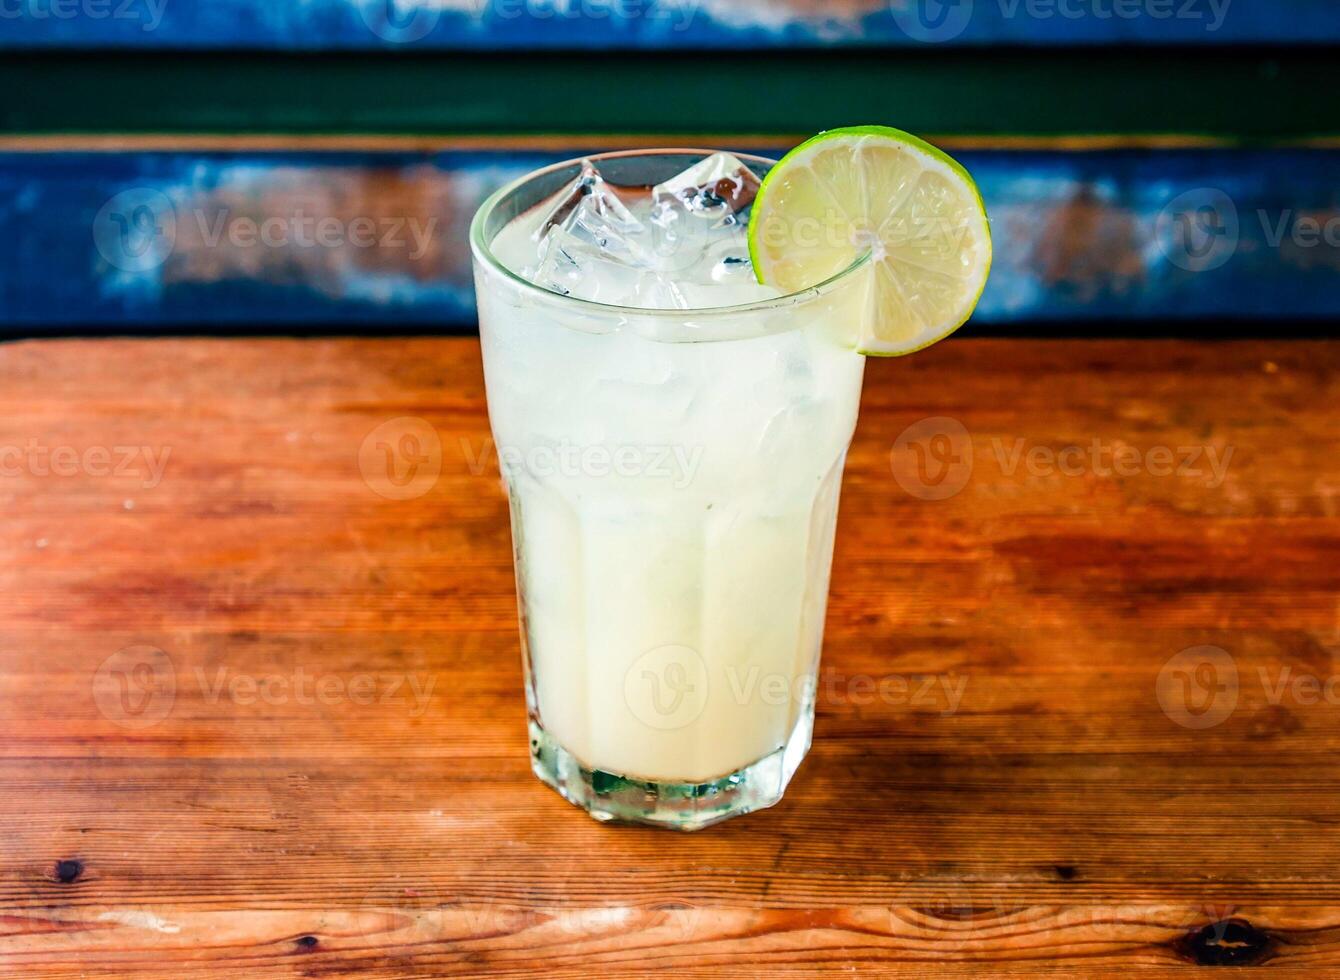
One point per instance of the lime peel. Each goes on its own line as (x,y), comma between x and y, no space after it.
(878,190)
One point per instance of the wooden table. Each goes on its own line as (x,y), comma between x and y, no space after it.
(259,720)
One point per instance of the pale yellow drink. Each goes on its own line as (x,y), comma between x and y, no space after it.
(674,479)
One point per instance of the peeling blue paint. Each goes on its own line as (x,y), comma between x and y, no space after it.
(84,237)
(596,24)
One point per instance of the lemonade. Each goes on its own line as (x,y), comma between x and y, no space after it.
(673,435)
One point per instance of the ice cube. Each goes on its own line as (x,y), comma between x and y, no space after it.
(588,193)
(590,213)
(557,267)
(698,213)
(733,269)
(576,266)
(589,244)
(672,250)
(642,381)
(715,187)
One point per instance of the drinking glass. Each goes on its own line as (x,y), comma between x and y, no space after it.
(673,478)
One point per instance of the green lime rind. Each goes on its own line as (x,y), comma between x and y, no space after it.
(897,136)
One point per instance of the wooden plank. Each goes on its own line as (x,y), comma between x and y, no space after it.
(655,24)
(1259,94)
(155,239)
(1064,815)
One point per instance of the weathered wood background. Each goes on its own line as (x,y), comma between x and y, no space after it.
(364,25)
(259,720)
(1189,189)
(1169,239)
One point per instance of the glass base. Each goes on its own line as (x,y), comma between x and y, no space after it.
(678,806)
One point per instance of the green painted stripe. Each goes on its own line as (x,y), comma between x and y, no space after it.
(1246,95)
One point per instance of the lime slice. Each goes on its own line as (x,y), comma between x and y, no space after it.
(878,190)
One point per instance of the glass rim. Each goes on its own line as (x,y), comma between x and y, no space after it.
(484,254)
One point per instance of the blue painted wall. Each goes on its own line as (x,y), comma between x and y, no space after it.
(599,24)
(123,240)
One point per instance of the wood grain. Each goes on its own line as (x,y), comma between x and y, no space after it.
(1060,816)
(1089,228)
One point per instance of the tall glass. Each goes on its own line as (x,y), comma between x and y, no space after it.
(673,478)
